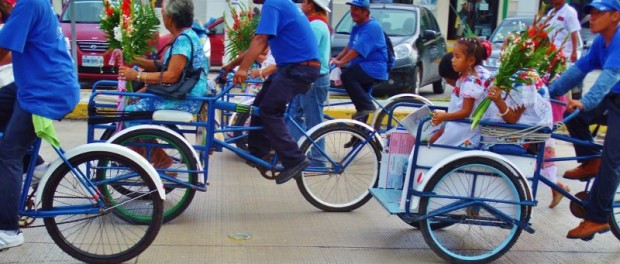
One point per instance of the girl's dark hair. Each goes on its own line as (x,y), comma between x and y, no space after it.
(474,47)
(446,70)
(5,10)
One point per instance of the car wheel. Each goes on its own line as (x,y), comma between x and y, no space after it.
(417,80)
(438,87)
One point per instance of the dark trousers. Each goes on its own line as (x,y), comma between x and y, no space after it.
(358,83)
(579,127)
(600,197)
(277,91)
(18,137)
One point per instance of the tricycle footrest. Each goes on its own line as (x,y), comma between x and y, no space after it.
(389,198)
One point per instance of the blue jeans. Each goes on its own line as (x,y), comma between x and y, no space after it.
(278,90)
(18,137)
(307,110)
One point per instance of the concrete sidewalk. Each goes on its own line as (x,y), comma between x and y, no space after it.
(285,228)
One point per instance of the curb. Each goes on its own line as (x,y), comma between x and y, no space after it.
(81,112)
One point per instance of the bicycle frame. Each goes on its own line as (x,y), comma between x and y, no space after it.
(414,194)
(212,104)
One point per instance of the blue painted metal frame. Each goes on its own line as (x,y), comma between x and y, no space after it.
(221,102)
(462,202)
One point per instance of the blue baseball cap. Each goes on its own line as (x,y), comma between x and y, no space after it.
(360,3)
(603,6)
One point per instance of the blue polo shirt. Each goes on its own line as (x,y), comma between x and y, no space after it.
(46,82)
(601,57)
(291,39)
(369,42)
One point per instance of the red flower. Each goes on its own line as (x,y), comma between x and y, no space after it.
(531,32)
(126,7)
(109,11)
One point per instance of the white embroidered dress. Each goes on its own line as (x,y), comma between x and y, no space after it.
(460,134)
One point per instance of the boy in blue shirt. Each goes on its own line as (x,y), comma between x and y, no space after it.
(45,85)
(286,31)
(367,55)
(603,96)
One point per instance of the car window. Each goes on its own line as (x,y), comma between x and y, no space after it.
(393,21)
(508,27)
(85,12)
(424,25)
(432,22)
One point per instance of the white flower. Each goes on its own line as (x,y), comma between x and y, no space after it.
(117,34)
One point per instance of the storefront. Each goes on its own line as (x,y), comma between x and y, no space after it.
(477,16)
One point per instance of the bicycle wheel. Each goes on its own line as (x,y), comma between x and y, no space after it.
(416,224)
(147,142)
(614,218)
(383,122)
(329,188)
(103,237)
(477,234)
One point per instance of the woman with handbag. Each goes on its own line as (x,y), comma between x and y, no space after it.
(181,73)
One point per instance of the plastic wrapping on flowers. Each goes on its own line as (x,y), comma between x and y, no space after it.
(530,50)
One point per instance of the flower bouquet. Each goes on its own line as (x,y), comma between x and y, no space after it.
(130,27)
(241,32)
(525,52)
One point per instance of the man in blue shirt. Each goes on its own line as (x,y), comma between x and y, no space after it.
(45,85)
(367,55)
(286,30)
(603,96)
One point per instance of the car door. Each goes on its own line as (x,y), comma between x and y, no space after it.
(432,46)
(216,37)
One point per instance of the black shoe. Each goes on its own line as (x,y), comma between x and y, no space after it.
(290,173)
(362,114)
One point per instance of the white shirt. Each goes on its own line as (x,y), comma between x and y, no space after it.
(563,23)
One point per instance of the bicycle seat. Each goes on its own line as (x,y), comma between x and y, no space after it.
(173,116)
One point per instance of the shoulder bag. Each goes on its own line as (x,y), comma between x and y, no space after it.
(184,85)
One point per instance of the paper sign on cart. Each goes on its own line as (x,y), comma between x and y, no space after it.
(412,121)
(392,171)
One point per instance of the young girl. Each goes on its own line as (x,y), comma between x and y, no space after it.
(466,95)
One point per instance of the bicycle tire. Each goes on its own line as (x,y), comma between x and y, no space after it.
(384,117)
(93,243)
(416,224)
(365,174)
(458,244)
(178,197)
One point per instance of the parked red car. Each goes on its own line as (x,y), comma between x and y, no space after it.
(215,31)
(92,58)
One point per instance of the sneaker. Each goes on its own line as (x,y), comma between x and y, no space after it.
(290,173)
(9,241)
(39,171)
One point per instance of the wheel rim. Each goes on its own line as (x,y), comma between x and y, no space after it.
(475,242)
(176,195)
(113,235)
(349,187)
